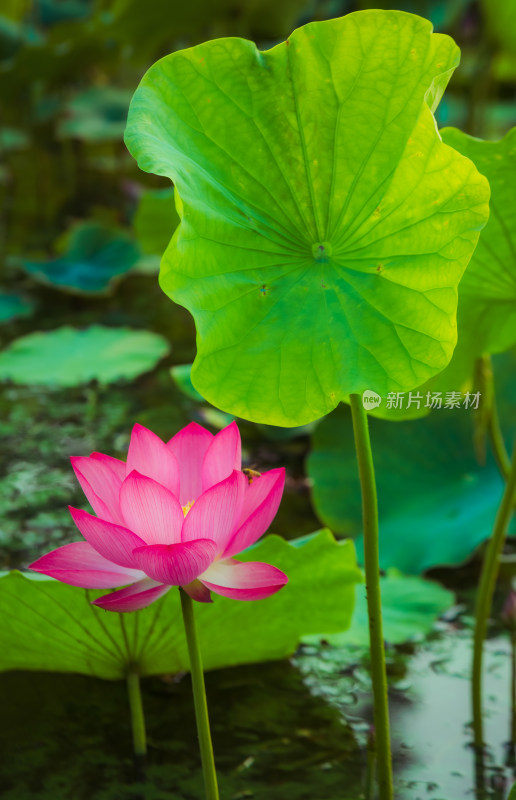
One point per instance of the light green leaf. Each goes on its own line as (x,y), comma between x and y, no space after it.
(325,226)
(48,625)
(487,293)
(436,504)
(94,257)
(410,607)
(68,356)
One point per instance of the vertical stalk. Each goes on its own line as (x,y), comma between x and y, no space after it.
(137,717)
(200,704)
(485,596)
(512,743)
(374,607)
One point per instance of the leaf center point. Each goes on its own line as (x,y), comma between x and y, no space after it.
(322,251)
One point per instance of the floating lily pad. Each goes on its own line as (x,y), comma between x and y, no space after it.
(325,226)
(410,607)
(13,306)
(436,504)
(68,356)
(48,625)
(94,257)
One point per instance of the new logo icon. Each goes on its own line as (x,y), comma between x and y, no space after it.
(371,400)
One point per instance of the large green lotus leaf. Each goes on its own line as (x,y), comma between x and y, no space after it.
(69,356)
(48,625)
(95,256)
(325,226)
(487,293)
(486,315)
(155,220)
(410,607)
(436,504)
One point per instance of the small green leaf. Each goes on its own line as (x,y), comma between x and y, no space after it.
(48,625)
(410,607)
(512,793)
(13,306)
(325,226)
(94,257)
(436,504)
(69,357)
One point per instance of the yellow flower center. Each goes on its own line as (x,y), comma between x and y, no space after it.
(187,508)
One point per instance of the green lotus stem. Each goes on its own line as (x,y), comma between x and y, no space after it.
(374,605)
(499,450)
(137,716)
(199,693)
(485,595)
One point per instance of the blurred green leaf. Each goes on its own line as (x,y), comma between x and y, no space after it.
(500,16)
(48,625)
(181,377)
(155,221)
(13,306)
(436,504)
(96,115)
(317,238)
(94,256)
(410,607)
(68,356)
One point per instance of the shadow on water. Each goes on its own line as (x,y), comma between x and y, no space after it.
(65,736)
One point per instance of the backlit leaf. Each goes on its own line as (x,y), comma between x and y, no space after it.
(48,625)
(325,226)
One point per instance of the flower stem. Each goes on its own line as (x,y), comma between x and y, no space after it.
(137,717)
(485,595)
(374,607)
(199,693)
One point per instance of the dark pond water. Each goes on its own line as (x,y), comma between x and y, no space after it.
(282,730)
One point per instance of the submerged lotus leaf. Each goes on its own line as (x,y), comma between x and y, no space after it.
(435,503)
(94,257)
(69,356)
(48,625)
(324,225)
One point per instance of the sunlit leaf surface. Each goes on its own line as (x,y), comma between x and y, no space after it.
(325,226)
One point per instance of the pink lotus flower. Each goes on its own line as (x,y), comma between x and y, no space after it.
(173,515)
